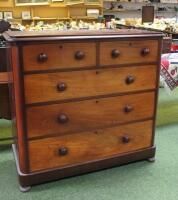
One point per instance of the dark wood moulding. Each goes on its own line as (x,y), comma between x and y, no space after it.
(35,178)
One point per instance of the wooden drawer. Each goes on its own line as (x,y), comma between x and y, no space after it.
(127,52)
(88,146)
(58,56)
(77,84)
(74,117)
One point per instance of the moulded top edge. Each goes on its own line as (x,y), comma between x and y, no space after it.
(13,36)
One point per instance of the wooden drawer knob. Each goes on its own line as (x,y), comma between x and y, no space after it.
(61,87)
(125,139)
(63,151)
(145,51)
(115,53)
(62,119)
(128,109)
(129,79)
(42,57)
(79,55)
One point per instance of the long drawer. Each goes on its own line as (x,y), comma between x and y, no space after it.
(75,117)
(58,56)
(126,52)
(88,83)
(89,146)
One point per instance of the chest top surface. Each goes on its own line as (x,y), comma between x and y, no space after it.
(22,36)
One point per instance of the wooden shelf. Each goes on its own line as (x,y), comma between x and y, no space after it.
(110,1)
(77,4)
(83,17)
(46,18)
(93,5)
(4,77)
(165,11)
(60,18)
(57,5)
(151,3)
(120,10)
(115,1)
(84,5)
(107,10)
(6,4)
(32,4)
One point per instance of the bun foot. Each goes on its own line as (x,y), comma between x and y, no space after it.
(25,189)
(151,159)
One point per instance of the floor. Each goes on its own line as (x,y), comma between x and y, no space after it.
(5,131)
(138,181)
(167,111)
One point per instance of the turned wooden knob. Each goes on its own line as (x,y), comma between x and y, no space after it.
(129,79)
(62,119)
(79,55)
(42,57)
(63,151)
(61,87)
(145,51)
(128,109)
(125,139)
(115,53)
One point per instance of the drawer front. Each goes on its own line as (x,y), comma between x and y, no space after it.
(59,56)
(88,146)
(77,84)
(127,52)
(75,117)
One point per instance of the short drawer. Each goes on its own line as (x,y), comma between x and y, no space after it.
(58,56)
(127,52)
(88,146)
(60,119)
(78,84)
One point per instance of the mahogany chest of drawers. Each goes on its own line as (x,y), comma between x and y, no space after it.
(83,101)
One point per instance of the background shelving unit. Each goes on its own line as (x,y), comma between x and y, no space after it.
(47,10)
(57,10)
(132,8)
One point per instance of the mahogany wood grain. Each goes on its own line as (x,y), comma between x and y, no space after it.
(99,144)
(157,91)
(50,34)
(87,115)
(84,100)
(44,87)
(58,56)
(129,52)
(4,77)
(18,109)
(53,36)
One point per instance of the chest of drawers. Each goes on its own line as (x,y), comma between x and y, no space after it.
(83,101)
